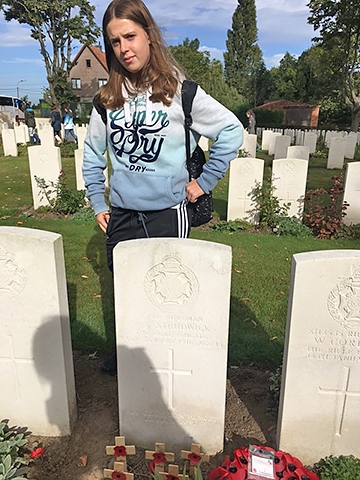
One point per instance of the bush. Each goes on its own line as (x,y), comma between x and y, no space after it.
(268,206)
(291,227)
(12,464)
(325,210)
(85,215)
(231,226)
(66,200)
(336,468)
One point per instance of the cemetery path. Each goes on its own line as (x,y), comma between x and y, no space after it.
(248,419)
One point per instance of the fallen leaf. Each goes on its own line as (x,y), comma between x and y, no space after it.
(282,293)
(273,338)
(19,223)
(246,320)
(92,355)
(254,323)
(83,461)
(84,276)
(84,258)
(237,271)
(256,246)
(97,295)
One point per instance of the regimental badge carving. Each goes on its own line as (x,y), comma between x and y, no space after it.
(246,168)
(170,284)
(344,302)
(289,169)
(12,274)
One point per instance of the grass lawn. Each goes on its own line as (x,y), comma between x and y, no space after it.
(260,274)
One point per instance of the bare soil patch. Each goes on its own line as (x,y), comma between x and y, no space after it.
(249,419)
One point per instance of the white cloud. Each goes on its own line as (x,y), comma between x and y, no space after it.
(215,53)
(14,35)
(32,61)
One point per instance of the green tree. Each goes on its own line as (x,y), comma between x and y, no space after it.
(315,67)
(283,79)
(54,25)
(243,55)
(338,23)
(209,74)
(194,62)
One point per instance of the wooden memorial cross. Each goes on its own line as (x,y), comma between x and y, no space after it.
(118,472)
(173,474)
(194,456)
(158,457)
(120,450)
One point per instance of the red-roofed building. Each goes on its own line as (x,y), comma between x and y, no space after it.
(89,72)
(296,114)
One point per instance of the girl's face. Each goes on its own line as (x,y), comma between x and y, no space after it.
(130,43)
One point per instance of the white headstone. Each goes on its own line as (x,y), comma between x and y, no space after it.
(249,145)
(289,180)
(320,393)
(21,133)
(45,162)
(336,153)
(9,142)
(79,158)
(266,134)
(310,139)
(282,142)
(244,174)
(350,145)
(298,151)
(352,193)
(300,137)
(37,377)
(272,142)
(81,134)
(172,310)
(46,134)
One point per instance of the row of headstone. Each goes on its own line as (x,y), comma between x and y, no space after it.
(289,176)
(341,144)
(288,179)
(165,329)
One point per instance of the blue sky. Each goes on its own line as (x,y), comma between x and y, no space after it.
(282,26)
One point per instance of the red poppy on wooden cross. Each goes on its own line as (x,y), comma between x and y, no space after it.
(158,457)
(118,473)
(120,450)
(173,474)
(194,456)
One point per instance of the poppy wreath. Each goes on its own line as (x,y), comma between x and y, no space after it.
(286,466)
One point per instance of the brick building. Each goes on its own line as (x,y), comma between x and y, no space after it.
(88,74)
(295,114)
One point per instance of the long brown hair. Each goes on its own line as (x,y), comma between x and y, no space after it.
(160,72)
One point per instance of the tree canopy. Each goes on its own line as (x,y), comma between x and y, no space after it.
(243,58)
(54,25)
(338,23)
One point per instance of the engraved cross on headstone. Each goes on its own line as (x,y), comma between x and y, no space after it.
(343,393)
(7,345)
(171,372)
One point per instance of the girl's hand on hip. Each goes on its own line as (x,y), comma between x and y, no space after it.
(103,220)
(193,191)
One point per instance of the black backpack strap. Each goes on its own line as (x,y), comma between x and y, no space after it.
(188,92)
(100,109)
